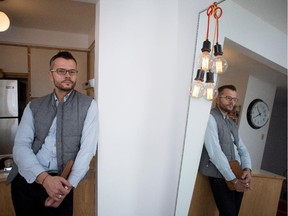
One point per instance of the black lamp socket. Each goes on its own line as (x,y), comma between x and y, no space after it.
(206,46)
(200,75)
(217,49)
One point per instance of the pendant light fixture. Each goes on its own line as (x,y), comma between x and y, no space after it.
(4,22)
(220,64)
(208,64)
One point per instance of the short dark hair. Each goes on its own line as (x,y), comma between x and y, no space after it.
(62,54)
(231,87)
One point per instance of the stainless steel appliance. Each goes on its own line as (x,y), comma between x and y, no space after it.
(8,114)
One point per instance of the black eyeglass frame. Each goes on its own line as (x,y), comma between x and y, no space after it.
(229,98)
(63,71)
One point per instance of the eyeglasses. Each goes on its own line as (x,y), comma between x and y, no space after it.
(62,71)
(228,98)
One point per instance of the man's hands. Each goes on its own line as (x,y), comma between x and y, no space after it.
(57,188)
(50,202)
(244,184)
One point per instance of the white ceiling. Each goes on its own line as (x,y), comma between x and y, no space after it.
(56,15)
(236,55)
(273,12)
(78,16)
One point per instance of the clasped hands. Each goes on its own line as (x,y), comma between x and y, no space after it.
(244,184)
(57,188)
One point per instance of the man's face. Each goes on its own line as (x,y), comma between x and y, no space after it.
(227,100)
(62,82)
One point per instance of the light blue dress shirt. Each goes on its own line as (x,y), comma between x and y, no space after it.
(216,155)
(31,165)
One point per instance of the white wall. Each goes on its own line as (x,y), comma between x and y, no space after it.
(145,64)
(256,139)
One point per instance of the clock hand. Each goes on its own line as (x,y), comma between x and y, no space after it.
(257,115)
(258,110)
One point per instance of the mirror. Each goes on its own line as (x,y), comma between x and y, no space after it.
(252,59)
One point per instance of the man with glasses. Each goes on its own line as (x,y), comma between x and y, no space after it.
(222,145)
(54,129)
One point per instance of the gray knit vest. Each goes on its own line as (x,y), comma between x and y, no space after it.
(70,114)
(226,127)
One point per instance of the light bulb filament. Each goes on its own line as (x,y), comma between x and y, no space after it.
(219,67)
(210,94)
(196,90)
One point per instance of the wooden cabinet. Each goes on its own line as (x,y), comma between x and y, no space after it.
(14,59)
(84,196)
(33,62)
(6,205)
(262,200)
(85,193)
(40,83)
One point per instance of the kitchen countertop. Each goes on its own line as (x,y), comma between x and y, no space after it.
(267,174)
(3,175)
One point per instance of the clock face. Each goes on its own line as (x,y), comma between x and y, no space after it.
(257,114)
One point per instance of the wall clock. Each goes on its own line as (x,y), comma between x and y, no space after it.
(257,113)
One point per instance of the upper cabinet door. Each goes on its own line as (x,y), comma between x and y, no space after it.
(82,66)
(14,59)
(40,82)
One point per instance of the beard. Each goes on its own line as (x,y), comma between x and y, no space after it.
(63,86)
(226,109)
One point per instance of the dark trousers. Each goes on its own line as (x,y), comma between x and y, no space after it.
(228,202)
(28,199)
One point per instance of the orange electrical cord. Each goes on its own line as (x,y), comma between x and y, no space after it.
(209,12)
(217,17)
(217,13)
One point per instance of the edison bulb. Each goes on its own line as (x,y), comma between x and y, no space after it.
(196,90)
(220,65)
(209,91)
(204,61)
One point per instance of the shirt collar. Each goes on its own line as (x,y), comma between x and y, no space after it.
(65,98)
(225,116)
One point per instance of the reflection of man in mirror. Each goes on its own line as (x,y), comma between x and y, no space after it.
(223,146)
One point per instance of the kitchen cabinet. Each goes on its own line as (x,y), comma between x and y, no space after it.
(13,59)
(39,66)
(262,200)
(6,205)
(84,195)
(21,61)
